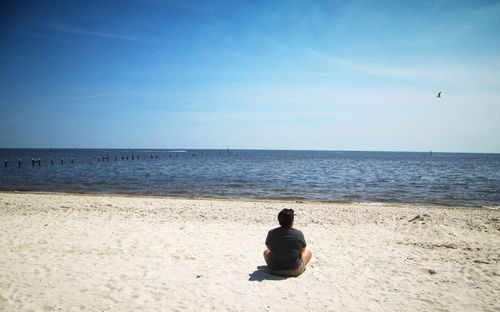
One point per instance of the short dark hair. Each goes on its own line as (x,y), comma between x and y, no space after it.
(285,217)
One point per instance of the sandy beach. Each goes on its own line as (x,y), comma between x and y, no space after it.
(66,252)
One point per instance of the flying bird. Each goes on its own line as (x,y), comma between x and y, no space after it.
(439,94)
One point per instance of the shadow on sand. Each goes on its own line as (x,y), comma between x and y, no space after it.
(262,274)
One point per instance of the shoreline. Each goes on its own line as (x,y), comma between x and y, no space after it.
(277,200)
(78,252)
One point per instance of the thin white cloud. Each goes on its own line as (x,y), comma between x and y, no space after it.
(385,71)
(30,34)
(83,32)
(450,73)
(79,31)
(95,96)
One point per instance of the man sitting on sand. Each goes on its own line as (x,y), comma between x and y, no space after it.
(286,252)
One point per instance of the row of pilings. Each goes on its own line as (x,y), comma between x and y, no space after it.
(38,161)
(102,158)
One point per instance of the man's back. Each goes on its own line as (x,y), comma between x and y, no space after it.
(285,244)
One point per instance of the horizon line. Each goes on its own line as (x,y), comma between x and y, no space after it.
(244,149)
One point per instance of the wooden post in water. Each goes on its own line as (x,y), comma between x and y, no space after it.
(19,163)
(132,156)
(51,162)
(62,161)
(5,163)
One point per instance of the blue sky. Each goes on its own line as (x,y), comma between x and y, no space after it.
(328,75)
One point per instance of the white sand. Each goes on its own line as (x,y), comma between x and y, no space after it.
(118,253)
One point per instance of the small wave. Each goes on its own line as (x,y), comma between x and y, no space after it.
(178,192)
(491,207)
(370,204)
(278,190)
(235,185)
(285,198)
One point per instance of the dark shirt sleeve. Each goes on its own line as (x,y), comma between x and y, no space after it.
(268,238)
(302,239)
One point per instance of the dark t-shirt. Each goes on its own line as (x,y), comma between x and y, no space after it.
(285,245)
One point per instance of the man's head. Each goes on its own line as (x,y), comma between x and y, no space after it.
(285,217)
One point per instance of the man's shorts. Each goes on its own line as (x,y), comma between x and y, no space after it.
(292,272)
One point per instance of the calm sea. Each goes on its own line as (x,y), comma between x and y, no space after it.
(471,180)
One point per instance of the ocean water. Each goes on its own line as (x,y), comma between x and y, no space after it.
(470,180)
